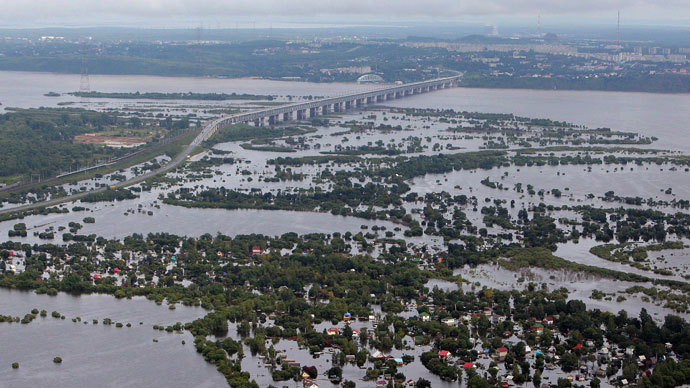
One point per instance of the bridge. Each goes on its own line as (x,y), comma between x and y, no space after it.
(306,110)
(273,115)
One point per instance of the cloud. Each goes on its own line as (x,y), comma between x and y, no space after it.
(56,11)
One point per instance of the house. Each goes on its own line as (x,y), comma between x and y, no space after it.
(443,353)
(346,317)
(488,311)
(256,250)
(548,321)
(502,352)
(309,383)
(350,358)
(448,321)
(398,361)
(425,317)
(333,331)
(538,329)
(468,365)
(355,334)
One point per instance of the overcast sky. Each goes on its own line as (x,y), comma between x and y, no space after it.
(175,13)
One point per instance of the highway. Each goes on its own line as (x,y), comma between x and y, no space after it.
(349,101)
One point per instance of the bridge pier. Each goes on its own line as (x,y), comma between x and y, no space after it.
(316,108)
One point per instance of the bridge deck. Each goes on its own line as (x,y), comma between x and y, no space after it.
(305,107)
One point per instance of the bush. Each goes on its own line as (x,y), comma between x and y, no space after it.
(15,365)
(57,360)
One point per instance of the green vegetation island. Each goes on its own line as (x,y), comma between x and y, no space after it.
(173,96)
(652,83)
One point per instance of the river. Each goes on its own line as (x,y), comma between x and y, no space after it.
(661,115)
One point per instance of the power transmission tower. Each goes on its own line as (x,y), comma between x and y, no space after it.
(199,30)
(618,29)
(84,84)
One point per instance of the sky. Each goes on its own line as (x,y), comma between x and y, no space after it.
(227,13)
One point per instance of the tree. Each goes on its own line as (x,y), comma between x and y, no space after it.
(569,362)
(536,379)
(596,383)
(423,383)
(630,371)
(347,332)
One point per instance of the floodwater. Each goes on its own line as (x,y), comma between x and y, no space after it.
(99,355)
(111,222)
(651,114)
(109,356)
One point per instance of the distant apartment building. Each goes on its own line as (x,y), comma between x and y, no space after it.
(348,70)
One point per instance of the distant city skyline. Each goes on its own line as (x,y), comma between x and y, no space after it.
(313,13)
